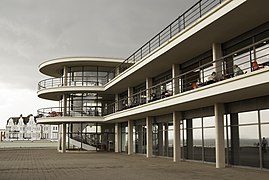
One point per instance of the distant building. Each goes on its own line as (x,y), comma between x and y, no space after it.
(26,128)
(2,134)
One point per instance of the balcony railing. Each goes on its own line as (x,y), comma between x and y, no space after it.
(71,81)
(73,111)
(182,22)
(243,61)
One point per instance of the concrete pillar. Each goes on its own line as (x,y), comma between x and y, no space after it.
(59,148)
(175,82)
(117,137)
(176,123)
(149,136)
(130,94)
(148,85)
(64,111)
(217,53)
(116,102)
(65,72)
(130,137)
(220,142)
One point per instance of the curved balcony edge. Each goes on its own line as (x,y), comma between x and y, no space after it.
(56,93)
(53,67)
(68,119)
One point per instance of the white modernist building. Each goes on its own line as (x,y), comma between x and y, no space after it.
(197,91)
(26,128)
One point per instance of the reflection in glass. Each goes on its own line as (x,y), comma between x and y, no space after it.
(197,144)
(264,144)
(209,145)
(264,116)
(140,138)
(163,139)
(124,138)
(248,117)
(249,147)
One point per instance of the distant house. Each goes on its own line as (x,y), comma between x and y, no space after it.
(2,134)
(26,128)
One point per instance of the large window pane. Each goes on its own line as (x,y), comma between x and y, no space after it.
(264,116)
(248,117)
(249,149)
(197,144)
(209,144)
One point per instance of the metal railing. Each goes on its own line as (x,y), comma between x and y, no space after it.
(71,81)
(73,111)
(187,18)
(237,63)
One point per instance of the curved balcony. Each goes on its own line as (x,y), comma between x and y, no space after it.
(69,81)
(72,111)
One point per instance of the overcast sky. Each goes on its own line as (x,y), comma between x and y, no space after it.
(32,31)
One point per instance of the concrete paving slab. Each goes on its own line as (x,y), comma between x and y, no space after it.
(42,164)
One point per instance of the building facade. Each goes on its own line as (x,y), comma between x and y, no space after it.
(26,128)
(197,91)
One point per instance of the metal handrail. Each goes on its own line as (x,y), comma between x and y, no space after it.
(70,81)
(179,24)
(73,111)
(245,66)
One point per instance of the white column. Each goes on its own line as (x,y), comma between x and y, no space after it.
(176,123)
(130,137)
(217,53)
(130,94)
(116,102)
(148,85)
(59,148)
(65,75)
(175,72)
(117,137)
(220,142)
(64,105)
(149,136)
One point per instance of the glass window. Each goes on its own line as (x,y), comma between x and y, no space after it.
(197,144)
(197,122)
(209,144)
(209,121)
(249,149)
(264,116)
(248,117)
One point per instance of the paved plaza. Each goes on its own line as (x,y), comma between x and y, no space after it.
(47,163)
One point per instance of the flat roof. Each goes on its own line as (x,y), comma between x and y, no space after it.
(54,67)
